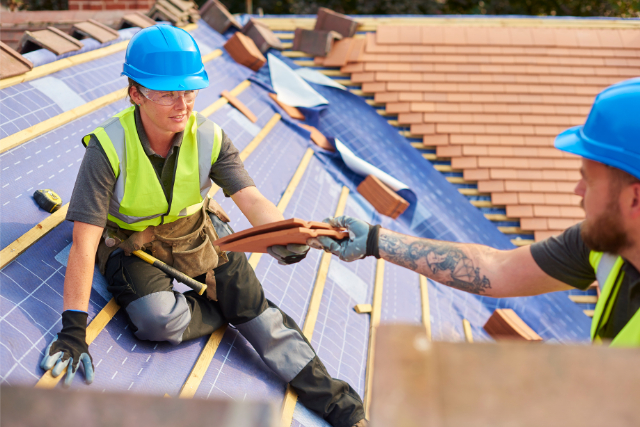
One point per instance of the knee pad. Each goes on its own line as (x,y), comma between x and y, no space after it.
(160,316)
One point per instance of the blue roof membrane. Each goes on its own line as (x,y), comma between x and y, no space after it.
(31,286)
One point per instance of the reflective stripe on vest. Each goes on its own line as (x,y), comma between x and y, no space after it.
(138,199)
(608,272)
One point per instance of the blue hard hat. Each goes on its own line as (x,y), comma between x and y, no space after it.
(611,134)
(163,57)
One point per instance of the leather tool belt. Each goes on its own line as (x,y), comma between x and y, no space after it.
(185,244)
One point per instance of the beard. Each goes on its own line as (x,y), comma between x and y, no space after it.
(605,232)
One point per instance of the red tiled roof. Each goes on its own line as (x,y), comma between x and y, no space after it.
(493,100)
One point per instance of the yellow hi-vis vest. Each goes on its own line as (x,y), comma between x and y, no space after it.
(138,199)
(608,272)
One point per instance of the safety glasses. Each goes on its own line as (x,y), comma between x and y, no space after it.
(170,97)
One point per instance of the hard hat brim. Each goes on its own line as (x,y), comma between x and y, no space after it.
(193,82)
(574,141)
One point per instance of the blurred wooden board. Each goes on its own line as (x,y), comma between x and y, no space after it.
(418,383)
(25,406)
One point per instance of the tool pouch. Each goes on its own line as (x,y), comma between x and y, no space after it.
(185,244)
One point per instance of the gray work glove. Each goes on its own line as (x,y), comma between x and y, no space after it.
(69,349)
(362,241)
(289,254)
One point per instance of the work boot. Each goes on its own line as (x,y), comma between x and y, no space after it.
(362,423)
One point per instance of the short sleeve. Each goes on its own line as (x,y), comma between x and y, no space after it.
(565,258)
(93,188)
(228,171)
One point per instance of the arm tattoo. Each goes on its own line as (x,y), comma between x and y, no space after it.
(445,262)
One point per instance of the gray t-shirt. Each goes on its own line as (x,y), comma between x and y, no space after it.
(566,258)
(96,181)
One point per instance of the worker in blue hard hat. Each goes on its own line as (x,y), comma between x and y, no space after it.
(605,246)
(144,184)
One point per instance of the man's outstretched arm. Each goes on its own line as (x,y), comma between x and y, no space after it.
(472,268)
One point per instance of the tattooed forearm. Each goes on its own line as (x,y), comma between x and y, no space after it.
(443,262)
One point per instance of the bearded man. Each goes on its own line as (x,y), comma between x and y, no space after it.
(604,247)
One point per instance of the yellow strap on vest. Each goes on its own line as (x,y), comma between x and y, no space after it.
(608,271)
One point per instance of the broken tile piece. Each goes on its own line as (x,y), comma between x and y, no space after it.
(217,16)
(271,227)
(51,39)
(136,19)
(260,243)
(315,43)
(318,138)
(293,112)
(95,30)
(505,324)
(340,53)
(332,21)
(382,198)
(261,35)
(239,106)
(244,51)
(12,63)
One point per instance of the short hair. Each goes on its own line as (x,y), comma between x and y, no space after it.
(133,83)
(622,178)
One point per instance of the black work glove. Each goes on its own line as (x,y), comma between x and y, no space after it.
(289,254)
(69,348)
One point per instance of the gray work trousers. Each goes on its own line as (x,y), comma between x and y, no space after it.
(156,312)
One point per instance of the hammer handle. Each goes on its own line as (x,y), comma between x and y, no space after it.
(179,276)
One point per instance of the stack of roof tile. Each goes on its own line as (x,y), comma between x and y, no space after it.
(316,43)
(217,16)
(382,198)
(244,51)
(493,99)
(329,27)
(328,20)
(95,30)
(261,35)
(178,12)
(136,19)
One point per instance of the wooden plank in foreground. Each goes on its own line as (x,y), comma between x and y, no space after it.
(24,406)
(418,383)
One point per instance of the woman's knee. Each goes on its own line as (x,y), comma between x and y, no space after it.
(160,316)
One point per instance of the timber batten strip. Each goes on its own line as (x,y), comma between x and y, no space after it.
(25,241)
(290,397)
(376,312)
(466,326)
(424,298)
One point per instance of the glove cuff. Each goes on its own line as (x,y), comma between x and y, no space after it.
(74,323)
(372,242)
